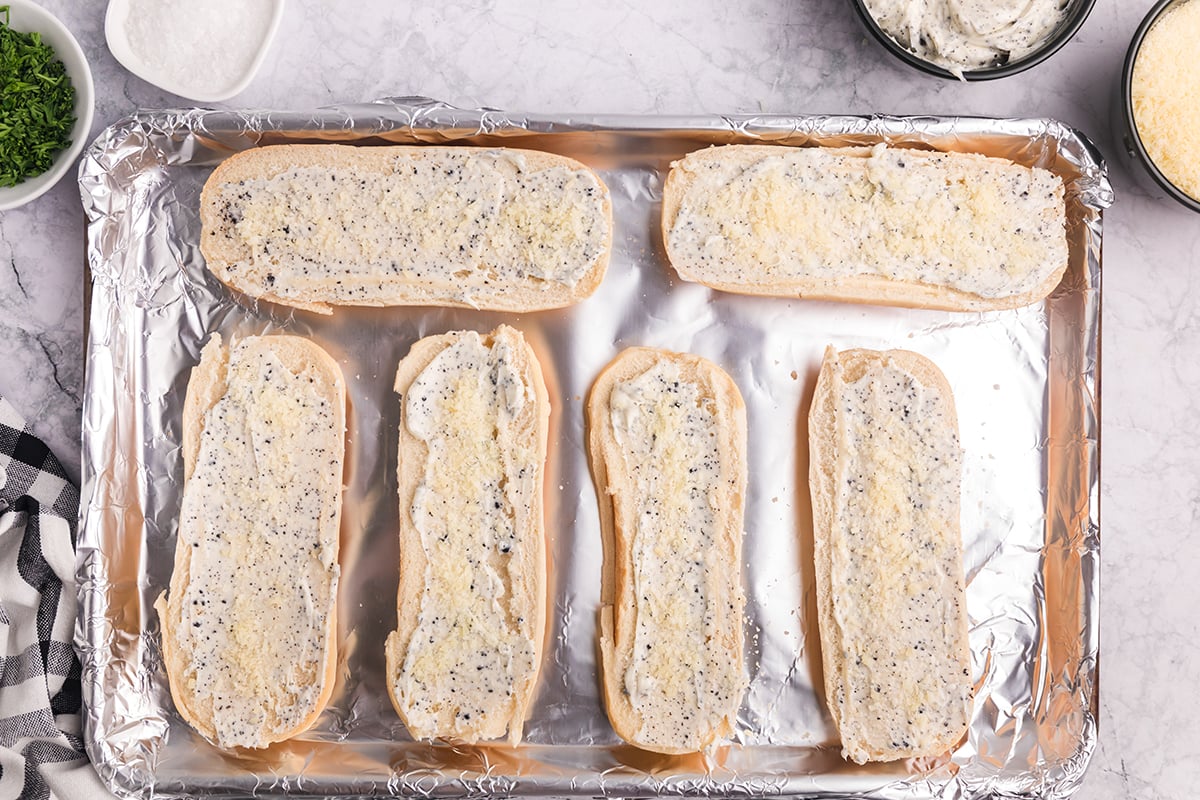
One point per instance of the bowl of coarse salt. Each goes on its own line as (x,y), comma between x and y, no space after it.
(205,51)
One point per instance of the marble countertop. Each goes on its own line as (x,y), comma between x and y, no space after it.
(685,56)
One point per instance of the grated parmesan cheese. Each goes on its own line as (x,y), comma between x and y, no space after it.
(1166,96)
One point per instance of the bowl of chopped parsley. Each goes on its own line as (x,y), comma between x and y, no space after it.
(46,97)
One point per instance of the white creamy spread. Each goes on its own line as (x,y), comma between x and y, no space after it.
(473,646)
(684,595)
(984,226)
(451,225)
(896,563)
(969,34)
(261,580)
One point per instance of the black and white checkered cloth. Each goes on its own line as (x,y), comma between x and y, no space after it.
(41,746)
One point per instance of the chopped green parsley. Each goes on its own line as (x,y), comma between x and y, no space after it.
(37,104)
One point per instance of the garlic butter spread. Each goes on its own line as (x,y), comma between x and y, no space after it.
(978,225)
(452,225)
(473,648)
(969,34)
(896,561)
(261,579)
(684,593)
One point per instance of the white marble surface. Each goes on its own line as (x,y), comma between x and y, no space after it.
(775,55)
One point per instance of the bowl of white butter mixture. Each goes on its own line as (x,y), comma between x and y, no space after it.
(973,39)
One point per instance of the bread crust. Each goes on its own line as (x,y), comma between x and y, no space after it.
(619,606)
(206,386)
(823,464)
(872,289)
(411,459)
(269,161)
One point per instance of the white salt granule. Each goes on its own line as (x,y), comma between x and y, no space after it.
(201,47)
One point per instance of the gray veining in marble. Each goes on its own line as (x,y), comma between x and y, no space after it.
(775,55)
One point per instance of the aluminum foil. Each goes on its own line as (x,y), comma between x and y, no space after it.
(1025,383)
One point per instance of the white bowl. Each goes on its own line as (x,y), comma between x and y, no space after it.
(28,17)
(119,12)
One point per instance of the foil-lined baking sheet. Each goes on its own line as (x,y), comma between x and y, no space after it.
(1025,383)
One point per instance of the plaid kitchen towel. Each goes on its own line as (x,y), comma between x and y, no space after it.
(41,745)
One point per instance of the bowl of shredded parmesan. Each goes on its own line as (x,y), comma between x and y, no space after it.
(1159,106)
(46,99)
(204,51)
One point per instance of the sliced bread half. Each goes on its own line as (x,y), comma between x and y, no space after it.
(317,226)
(463,661)
(882,225)
(667,445)
(249,625)
(885,470)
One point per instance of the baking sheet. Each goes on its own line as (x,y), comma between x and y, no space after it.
(1025,383)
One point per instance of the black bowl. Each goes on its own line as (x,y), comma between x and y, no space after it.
(1127,133)
(1079,10)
